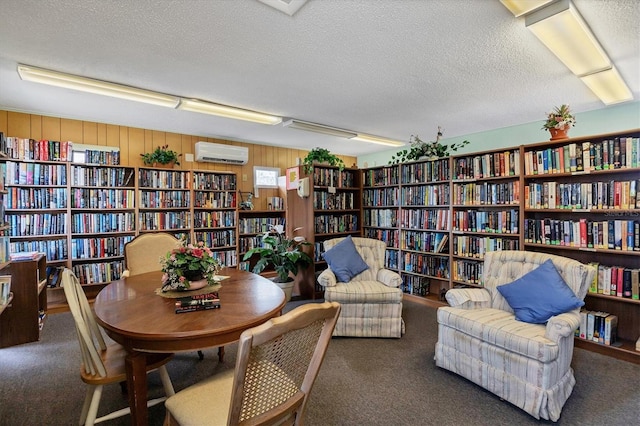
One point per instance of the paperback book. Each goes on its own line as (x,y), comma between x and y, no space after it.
(200,302)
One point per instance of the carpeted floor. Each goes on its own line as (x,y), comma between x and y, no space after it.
(362,382)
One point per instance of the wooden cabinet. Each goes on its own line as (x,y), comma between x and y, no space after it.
(21,321)
(332,209)
(581,201)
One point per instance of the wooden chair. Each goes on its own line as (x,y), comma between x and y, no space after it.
(102,364)
(276,368)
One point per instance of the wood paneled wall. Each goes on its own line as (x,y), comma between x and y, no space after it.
(134,141)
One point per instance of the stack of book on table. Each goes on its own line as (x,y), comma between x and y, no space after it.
(199,302)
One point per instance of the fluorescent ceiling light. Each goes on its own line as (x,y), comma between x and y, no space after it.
(195,105)
(522,7)
(376,139)
(561,28)
(68,81)
(609,86)
(319,128)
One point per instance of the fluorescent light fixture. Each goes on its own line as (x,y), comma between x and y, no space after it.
(195,105)
(68,81)
(319,128)
(376,139)
(522,7)
(609,86)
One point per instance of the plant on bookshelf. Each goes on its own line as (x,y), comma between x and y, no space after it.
(321,155)
(559,121)
(161,155)
(420,149)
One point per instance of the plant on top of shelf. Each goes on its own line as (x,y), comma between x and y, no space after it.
(321,155)
(420,149)
(161,155)
(560,118)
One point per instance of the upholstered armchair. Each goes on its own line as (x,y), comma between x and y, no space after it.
(143,253)
(517,354)
(369,294)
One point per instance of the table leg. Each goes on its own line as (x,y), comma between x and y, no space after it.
(221,354)
(136,366)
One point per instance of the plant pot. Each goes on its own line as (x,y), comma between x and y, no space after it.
(197,285)
(164,166)
(287,287)
(558,133)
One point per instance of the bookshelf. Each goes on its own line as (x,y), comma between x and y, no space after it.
(252,226)
(581,201)
(215,217)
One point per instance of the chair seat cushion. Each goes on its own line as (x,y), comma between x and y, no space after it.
(500,328)
(363,292)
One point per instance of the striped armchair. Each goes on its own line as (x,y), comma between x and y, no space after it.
(526,364)
(372,301)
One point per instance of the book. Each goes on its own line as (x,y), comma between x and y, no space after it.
(195,308)
(205,299)
(610,329)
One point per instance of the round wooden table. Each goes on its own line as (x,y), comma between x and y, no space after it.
(133,315)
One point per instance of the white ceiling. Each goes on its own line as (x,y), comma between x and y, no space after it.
(387,68)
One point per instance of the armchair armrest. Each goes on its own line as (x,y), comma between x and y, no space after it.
(469,298)
(389,278)
(125,273)
(327,278)
(562,325)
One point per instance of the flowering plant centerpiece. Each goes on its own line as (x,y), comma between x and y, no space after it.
(283,254)
(188,264)
(560,118)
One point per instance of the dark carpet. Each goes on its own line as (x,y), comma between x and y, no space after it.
(362,382)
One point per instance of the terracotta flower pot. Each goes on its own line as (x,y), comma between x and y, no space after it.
(558,133)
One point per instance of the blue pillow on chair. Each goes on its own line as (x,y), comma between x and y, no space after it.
(344,260)
(540,294)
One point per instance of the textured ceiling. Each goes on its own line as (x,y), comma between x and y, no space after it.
(388,68)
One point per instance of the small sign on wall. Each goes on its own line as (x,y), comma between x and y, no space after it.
(293,174)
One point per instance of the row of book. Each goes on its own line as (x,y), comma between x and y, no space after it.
(5,249)
(19,173)
(22,225)
(35,198)
(216,200)
(476,247)
(111,177)
(427,195)
(330,224)
(99,156)
(386,218)
(391,237)
(41,150)
(486,193)
(160,221)
(414,284)
(165,199)
(324,200)
(503,221)
(94,273)
(436,219)
(275,203)
(259,225)
(89,248)
(425,172)
(333,177)
(599,327)
(381,177)
(214,182)
(215,219)
(163,179)
(380,196)
(467,271)
(497,164)
(55,249)
(92,223)
(391,259)
(600,195)
(424,264)
(228,258)
(434,242)
(83,198)
(214,240)
(583,233)
(248,243)
(616,281)
(617,153)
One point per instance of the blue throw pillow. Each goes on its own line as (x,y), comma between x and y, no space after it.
(540,294)
(344,260)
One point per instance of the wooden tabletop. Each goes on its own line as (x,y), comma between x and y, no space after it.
(136,317)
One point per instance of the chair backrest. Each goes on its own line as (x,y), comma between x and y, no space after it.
(278,363)
(143,253)
(503,267)
(89,334)
(372,252)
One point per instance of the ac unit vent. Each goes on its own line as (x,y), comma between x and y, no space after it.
(220,153)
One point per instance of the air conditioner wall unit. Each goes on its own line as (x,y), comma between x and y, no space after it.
(219,153)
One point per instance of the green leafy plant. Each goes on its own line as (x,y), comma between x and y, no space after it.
(283,254)
(321,155)
(560,118)
(161,155)
(420,149)
(188,263)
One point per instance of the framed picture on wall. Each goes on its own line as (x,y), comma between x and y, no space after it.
(293,173)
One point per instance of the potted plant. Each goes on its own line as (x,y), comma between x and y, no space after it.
(189,267)
(559,121)
(283,254)
(420,149)
(161,155)
(321,155)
